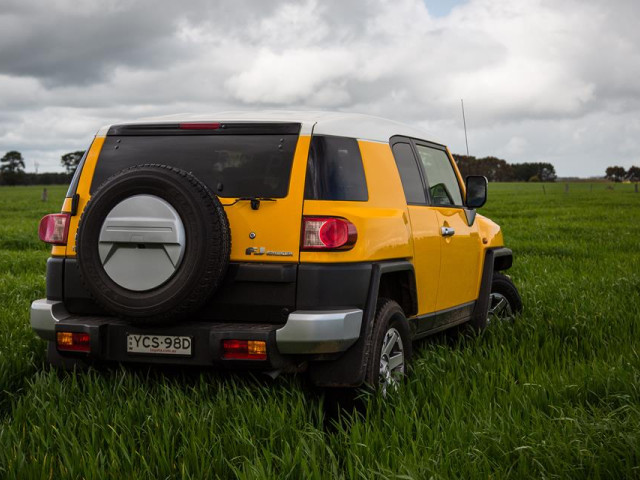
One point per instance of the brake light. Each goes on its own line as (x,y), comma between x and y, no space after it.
(328,233)
(73,342)
(244,349)
(54,228)
(199,126)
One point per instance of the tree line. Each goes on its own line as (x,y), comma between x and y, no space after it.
(498,170)
(619,174)
(12,170)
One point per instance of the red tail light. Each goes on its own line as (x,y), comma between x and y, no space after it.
(328,233)
(54,228)
(73,342)
(244,350)
(199,126)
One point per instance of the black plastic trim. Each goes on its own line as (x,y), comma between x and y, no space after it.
(109,340)
(55,278)
(255,128)
(431,323)
(503,258)
(332,286)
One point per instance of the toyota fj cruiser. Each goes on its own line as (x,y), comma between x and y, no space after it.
(279,241)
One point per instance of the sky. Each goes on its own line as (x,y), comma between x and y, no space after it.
(542,80)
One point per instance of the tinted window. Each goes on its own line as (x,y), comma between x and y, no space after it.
(73,186)
(409,173)
(443,183)
(334,170)
(230,165)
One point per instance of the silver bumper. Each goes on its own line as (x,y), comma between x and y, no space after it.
(319,331)
(305,331)
(44,316)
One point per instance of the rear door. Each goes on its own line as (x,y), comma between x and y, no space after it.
(460,259)
(256,169)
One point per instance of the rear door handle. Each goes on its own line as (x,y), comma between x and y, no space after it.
(447,231)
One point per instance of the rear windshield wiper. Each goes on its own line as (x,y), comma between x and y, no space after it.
(255,201)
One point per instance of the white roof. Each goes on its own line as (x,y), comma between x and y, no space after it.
(355,125)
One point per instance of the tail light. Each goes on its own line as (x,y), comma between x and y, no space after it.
(244,350)
(73,342)
(54,228)
(328,233)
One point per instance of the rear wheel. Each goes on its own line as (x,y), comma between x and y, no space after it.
(391,348)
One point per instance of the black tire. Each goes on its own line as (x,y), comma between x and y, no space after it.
(389,317)
(503,288)
(206,253)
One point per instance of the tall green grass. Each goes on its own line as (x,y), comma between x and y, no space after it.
(555,395)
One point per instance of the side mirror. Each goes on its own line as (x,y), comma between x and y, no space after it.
(476,191)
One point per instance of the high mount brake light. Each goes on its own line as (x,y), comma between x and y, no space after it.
(199,126)
(328,233)
(54,228)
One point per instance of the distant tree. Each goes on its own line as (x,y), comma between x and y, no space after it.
(495,169)
(615,174)
(547,172)
(633,174)
(71,160)
(534,172)
(12,168)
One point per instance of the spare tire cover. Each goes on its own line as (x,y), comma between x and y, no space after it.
(153,244)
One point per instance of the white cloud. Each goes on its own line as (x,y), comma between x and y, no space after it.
(542,80)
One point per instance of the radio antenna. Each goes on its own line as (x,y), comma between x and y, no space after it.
(464,122)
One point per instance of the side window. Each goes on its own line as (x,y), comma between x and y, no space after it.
(335,171)
(409,173)
(443,183)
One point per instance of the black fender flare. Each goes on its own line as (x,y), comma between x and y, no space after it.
(349,370)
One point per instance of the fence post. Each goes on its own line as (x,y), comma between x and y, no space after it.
(543,190)
(566,188)
(636,187)
(45,195)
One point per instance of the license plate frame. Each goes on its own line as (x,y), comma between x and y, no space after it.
(159,345)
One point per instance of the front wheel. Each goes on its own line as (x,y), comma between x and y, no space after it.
(504,301)
(391,348)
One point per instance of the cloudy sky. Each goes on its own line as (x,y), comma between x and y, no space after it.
(542,80)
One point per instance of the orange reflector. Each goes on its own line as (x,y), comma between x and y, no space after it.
(73,342)
(244,349)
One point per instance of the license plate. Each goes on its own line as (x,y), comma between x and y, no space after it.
(159,344)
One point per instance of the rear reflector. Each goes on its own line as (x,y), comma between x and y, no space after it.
(54,228)
(328,233)
(199,126)
(73,342)
(244,350)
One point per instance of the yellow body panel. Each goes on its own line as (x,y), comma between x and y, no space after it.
(382,222)
(426,260)
(461,259)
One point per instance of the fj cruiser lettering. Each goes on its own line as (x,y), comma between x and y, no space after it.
(280,241)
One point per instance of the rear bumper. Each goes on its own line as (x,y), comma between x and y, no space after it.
(304,333)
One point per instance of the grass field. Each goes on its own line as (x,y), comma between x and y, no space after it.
(555,395)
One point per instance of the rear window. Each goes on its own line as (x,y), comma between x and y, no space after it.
(335,171)
(230,165)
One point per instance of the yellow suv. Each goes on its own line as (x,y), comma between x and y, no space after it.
(279,241)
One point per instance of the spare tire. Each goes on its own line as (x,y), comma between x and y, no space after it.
(153,244)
